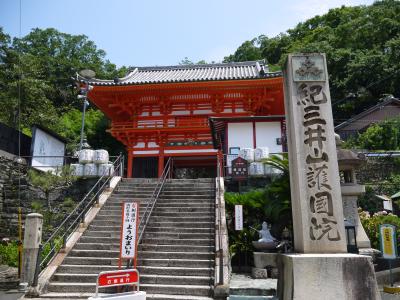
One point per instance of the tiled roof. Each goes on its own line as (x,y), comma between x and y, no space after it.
(387,101)
(191,73)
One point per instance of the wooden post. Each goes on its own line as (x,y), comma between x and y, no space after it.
(130,164)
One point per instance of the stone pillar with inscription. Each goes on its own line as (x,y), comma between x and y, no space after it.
(321,268)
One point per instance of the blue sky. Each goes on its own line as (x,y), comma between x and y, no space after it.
(163,32)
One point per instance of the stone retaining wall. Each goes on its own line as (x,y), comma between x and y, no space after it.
(16,191)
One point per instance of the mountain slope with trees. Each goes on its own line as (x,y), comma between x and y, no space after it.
(362,45)
(37,69)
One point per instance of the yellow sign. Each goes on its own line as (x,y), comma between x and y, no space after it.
(388,241)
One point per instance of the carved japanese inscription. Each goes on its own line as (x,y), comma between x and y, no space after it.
(317,205)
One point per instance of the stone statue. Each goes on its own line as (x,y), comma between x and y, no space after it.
(266,241)
(265,235)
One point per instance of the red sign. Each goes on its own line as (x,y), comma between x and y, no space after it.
(118,278)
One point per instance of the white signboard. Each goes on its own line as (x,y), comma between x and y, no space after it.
(238,217)
(47,151)
(130,216)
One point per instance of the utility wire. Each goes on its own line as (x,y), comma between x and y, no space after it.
(368,86)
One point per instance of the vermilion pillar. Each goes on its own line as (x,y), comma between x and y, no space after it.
(130,164)
(160,163)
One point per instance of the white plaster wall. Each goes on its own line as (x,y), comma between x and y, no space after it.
(240,135)
(146,152)
(140,145)
(266,135)
(202,111)
(152,144)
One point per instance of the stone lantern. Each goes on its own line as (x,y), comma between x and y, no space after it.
(348,162)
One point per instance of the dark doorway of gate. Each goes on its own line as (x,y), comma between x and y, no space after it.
(194,167)
(145,167)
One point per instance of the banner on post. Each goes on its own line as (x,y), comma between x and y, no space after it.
(129,229)
(238,217)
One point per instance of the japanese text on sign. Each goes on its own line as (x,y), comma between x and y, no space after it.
(129,230)
(238,217)
(387,234)
(312,99)
(118,278)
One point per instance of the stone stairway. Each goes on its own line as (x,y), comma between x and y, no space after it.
(176,256)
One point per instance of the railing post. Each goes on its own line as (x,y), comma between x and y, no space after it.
(64,246)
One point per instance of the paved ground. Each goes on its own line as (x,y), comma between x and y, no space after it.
(10,295)
(238,281)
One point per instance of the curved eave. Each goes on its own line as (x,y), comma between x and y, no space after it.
(96,82)
(278,80)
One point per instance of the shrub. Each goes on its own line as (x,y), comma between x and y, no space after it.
(371,225)
(9,254)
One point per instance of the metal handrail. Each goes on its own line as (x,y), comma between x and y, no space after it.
(153,200)
(221,254)
(77,216)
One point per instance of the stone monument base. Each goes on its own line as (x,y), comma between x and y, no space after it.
(326,276)
(264,263)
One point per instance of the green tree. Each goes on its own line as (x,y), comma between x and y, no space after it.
(380,136)
(363,52)
(48,182)
(36,85)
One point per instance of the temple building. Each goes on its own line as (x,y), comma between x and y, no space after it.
(161,112)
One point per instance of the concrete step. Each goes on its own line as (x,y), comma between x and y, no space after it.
(177,191)
(143,254)
(177,271)
(180,204)
(158,262)
(185,196)
(94,253)
(148,270)
(101,261)
(75,296)
(195,290)
(189,218)
(167,188)
(199,200)
(175,297)
(146,247)
(117,228)
(178,235)
(165,262)
(188,192)
(176,248)
(164,241)
(180,209)
(84,269)
(172,213)
(144,278)
(64,296)
(180,229)
(176,255)
(159,223)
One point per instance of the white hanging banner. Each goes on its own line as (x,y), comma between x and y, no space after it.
(129,228)
(238,217)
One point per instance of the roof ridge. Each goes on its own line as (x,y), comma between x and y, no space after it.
(200,66)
